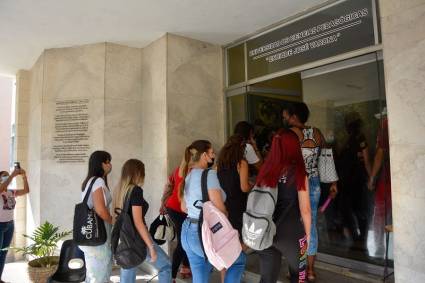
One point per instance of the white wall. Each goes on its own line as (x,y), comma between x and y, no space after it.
(6,92)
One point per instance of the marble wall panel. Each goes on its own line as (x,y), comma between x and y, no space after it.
(404,48)
(123,106)
(195,99)
(123,128)
(70,73)
(123,72)
(20,153)
(32,142)
(75,72)
(154,133)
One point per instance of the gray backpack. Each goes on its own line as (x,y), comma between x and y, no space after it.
(258,228)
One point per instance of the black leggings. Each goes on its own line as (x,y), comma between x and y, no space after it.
(290,242)
(179,255)
(271,261)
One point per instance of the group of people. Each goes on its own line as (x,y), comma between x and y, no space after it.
(291,166)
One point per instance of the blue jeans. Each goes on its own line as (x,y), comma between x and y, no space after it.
(200,267)
(314,187)
(235,272)
(162,264)
(6,235)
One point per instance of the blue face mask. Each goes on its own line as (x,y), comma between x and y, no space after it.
(4,179)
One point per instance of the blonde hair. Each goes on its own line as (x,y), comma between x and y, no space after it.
(132,174)
(192,154)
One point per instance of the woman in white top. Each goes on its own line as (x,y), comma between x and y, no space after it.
(7,205)
(99,258)
(252,154)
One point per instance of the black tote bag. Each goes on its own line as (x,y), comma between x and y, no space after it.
(88,228)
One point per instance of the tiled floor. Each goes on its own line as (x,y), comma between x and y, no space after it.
(17,273)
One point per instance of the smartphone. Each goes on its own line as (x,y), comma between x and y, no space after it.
(17,165)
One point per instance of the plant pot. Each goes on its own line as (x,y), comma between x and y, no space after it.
(40,274)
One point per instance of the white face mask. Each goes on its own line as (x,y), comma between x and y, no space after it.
(4,179)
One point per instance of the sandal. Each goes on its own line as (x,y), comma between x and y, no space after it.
(311,277)
(185,272)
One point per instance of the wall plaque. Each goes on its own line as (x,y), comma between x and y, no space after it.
(71,133)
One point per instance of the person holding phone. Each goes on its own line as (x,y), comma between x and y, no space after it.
(7,205)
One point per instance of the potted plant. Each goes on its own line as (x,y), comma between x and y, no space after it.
(44,242)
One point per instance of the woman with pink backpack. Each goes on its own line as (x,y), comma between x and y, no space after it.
(198,156)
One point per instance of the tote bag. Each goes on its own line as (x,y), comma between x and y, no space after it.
(327,170)
(88,227)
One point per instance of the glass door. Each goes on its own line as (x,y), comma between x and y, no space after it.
(347,103)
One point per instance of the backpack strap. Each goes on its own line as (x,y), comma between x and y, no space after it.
(204,185)
(125,206)
(204,189)
(205,198)
(86,197)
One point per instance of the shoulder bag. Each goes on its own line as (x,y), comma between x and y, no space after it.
(88,227)
(327,170)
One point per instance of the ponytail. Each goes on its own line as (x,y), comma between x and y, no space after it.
(184,168)
(192,154)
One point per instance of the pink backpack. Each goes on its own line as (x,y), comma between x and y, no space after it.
(220,240)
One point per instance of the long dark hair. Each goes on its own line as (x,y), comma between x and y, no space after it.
(299,109)
(285,154)
(245,129)
(95,166)
(232,153)
(192,154)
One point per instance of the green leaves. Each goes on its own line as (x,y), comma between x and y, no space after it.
(43,242)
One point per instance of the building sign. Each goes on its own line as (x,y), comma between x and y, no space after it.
(71,134)
(343,27)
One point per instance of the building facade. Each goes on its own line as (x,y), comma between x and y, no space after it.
(149,103)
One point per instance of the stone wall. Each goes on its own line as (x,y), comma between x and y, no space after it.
(137,109)
(109,76)
(404,50)
(154,117)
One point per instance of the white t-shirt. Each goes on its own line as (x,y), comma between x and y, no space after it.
(250,155)
(98,184)
(7,205)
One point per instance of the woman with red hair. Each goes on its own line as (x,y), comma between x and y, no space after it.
(284,168)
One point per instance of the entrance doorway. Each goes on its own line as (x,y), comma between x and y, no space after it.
(347,103)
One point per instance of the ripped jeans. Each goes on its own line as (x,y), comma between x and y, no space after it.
(314,192)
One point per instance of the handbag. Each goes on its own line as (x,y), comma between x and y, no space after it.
(88,227)
(162,229)
(128,247)
(327,170)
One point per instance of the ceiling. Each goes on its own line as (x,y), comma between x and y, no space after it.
(27,27)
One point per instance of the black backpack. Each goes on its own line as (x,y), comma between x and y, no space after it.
(128,247)
(88,227)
